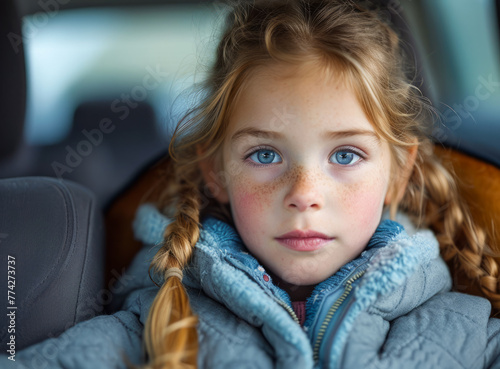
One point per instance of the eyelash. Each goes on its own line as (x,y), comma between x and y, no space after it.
(349,149)
(257,149)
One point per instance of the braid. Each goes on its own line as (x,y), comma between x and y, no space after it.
(434,199)
(170,333)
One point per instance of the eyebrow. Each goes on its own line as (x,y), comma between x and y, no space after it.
(253,132)
(350,133)
(258,133)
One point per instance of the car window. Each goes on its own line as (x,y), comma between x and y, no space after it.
(86,54)
(458,42)
(106,86)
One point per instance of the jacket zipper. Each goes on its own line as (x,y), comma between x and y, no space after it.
(288,309)
(331,312)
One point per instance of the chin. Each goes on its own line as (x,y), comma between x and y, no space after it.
(303,280)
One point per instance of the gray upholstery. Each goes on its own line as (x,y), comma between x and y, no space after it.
(55,232)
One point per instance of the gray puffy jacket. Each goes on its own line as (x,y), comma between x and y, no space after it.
(390,308)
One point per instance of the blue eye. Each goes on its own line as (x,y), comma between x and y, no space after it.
(265,156)
(344,157)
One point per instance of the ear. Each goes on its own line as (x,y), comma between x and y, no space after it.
(212,179)
(397,192)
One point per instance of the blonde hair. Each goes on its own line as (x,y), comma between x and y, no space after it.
(367,54)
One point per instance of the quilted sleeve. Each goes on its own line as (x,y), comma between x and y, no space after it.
(105,341)
(101,342)
(450,330)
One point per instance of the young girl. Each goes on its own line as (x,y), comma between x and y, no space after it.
(273,247)
(309,132)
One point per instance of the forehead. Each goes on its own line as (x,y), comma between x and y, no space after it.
(285,95)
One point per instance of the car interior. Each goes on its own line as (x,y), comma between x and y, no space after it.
(92,90)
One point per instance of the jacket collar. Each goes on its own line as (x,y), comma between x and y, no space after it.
(224,270)
(219,242)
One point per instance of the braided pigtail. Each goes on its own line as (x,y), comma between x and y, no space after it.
(434,198)
(170,333)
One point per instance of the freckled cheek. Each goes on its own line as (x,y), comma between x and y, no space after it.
(363,205)
(251,205)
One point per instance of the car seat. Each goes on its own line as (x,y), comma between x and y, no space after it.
(52,248)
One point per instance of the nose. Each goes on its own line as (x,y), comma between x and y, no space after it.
(305,192)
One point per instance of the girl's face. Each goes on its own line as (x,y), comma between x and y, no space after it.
(304,172)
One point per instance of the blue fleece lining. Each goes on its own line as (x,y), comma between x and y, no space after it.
(149,225)
(236,253)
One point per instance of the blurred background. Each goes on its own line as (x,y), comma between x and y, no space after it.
(92,90)
(457,42)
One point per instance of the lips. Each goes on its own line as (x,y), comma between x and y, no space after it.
(304,240)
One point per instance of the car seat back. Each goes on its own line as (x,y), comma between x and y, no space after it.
(51,243)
